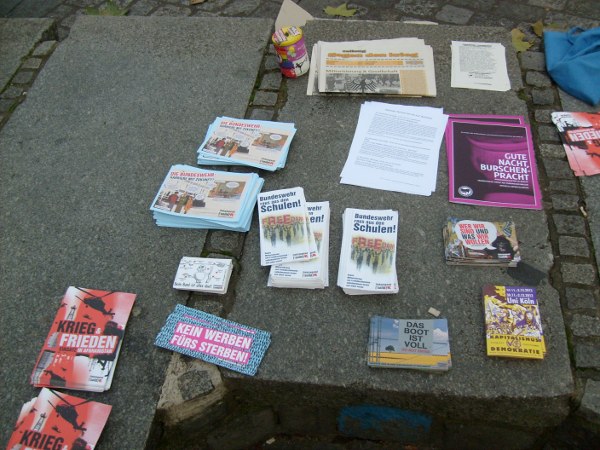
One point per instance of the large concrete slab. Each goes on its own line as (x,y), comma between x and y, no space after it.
(17,39)
(119,102)
(319,342)
(27,8)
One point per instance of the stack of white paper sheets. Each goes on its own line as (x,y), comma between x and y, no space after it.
(203,274)
(312,274)
(257,143)
(190,197)
(396,148)
(479,65)
(402,66)
(284,231)
(368,255)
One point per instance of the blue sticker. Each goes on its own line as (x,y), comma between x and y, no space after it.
(214,339)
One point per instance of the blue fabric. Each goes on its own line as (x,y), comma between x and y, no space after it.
(573,62)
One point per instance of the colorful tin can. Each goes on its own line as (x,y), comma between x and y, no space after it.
(291,51)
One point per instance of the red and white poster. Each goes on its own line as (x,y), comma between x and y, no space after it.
(580,135)
(55,420)
(83,344)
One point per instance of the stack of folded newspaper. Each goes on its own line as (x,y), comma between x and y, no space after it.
(402,66)
(256,143)
(190,197)
(312,274)
(368,255)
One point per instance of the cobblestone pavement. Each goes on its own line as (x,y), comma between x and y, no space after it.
(575,272)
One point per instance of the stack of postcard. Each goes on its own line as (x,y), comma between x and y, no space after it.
(203,274)
(312,274)
(256,143)
(84,341)
(368,255)
(213,339)
(190,197)
(402,66)
(409,344)
(285,227)
(491,162)
(55,420)
(478,243)
(395,148)
(513,326)
(580,135)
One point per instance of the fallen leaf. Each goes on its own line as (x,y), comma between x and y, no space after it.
(341,10)
(517,40)
(110,9)
(538,28)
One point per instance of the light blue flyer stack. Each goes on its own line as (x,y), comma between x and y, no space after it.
(214,339)
(192,197)
(256,143)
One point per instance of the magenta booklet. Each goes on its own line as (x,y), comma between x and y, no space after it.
(492,164)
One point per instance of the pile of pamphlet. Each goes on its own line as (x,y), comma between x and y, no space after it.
(312,274)
(256,143)
(491,162)
(285,234)
(84,341)
(55,420)
(203,274)
(402,66)
(580,135)
(215,340)
(409,344)
(368,254)
(477,243)
(395,148)
(513,326)
(191,197)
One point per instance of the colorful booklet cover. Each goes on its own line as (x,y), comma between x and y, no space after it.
(472,242)
(83,344)
(190,197)
(284,229)
(368,254)
(580,135)
(214,339)
(488,118)
(257,143)
(492,164)
(203,274)
(312,274)
(409,344)
(513,326)
(55,420)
